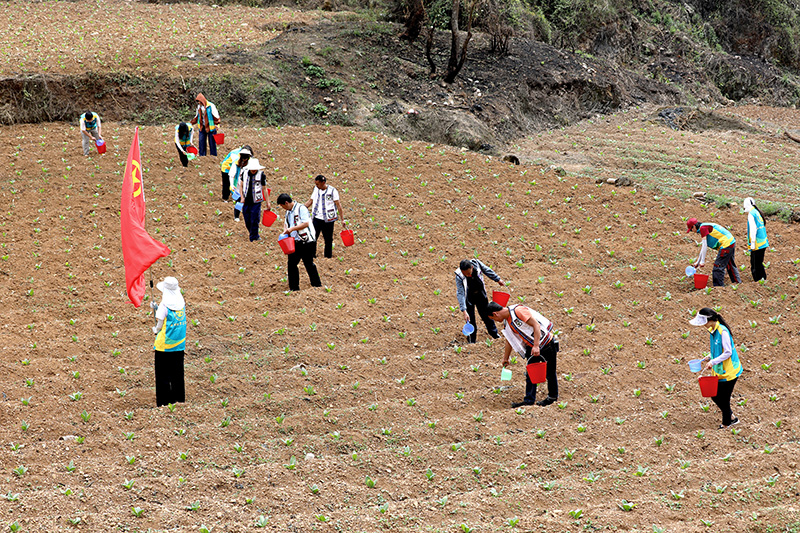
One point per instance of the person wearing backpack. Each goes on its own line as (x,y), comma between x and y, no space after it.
(530,335)
(717,238)
(297,226)
(756,238)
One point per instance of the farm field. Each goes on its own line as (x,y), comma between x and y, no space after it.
(392,422)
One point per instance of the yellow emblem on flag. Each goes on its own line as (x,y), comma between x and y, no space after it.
(136,190)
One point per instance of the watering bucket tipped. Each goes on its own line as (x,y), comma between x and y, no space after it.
(700,281)
(696,365)
(287,245)
(505,375)
(268,218)
(468,329)
(708,386)
(537,372)
(500,298)
(192,150)
(690,271)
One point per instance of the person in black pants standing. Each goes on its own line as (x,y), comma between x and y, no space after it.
(471,293)
(531,335)
(297,225)
(325,210)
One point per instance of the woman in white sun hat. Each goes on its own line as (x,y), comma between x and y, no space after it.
(724,361)
(253,190)
(170,331)
(756,238)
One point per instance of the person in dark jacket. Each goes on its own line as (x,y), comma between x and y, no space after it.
(471,294)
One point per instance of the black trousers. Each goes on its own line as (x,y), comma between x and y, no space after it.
(723,400)
(169,377)
(549,353)
(226,186)
(252,218)
(184,159)
(757,264)
(303,251)
(725,262)
(474,302)
(325,229)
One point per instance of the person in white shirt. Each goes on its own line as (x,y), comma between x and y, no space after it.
(297,225)
(90,131)
(325,210)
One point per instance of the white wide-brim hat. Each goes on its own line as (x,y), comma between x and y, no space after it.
(699,320)
(172,298)
(253,164)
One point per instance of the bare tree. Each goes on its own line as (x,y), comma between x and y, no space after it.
(414,20)
(458,46)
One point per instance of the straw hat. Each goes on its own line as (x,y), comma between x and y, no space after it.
(172,298)
(253,164)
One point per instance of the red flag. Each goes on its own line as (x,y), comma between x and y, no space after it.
(139,249)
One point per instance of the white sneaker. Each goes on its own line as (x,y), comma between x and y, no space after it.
(236,219)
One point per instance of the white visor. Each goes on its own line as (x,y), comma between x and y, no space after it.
(699,320)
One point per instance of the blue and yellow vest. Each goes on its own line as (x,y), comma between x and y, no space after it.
(719,237)
(90,124)
(172,337)
(185,143)
(232,156)
(761,230)
(730,368)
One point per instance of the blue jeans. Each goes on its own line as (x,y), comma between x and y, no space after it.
(212,144)
(252,218)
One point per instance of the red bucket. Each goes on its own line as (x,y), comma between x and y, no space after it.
(537,372)
(708,385)
(219,138)
(287,245)
(101,146)
(268,218)
(347,237)
(192,150)
(500,298)
(700,281)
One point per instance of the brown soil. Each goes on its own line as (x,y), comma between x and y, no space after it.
(382,339)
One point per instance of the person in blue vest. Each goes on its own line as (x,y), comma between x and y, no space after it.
(724,361)
(717,238)
(90,131)
(207,119)
(230,167)
(471,294)
(170,344)
(184,134)
(756,238)
(532,336)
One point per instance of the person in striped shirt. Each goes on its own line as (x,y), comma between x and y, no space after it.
(717,238)
(530,335)
(90,131)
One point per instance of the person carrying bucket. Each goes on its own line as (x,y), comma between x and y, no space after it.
(724,362)
(297,225)
(530,335)
(184,133)
(170,344)
(207,119)
(718,238)
(471,294)
(90,131)
(325,211)
(756,238)
(252,186)
(231,168)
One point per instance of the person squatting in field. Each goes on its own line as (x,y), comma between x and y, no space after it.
(756,238)
(184,134)
(325,210)
(724,361)
(207,119)
(297,226)
(90,131)
(718,238)
(252,189)
(530,335)
(170,344)
(471,294)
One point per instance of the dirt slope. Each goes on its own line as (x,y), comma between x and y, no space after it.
(391,391)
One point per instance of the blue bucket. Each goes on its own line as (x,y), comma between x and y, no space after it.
(696,365)
(468,329)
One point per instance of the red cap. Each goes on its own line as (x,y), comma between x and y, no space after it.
(690,224)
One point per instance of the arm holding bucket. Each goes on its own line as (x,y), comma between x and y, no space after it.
(537,335)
